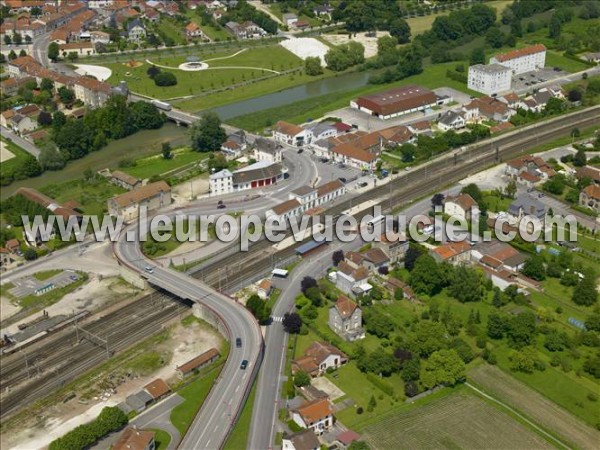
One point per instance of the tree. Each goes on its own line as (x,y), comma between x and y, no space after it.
(426,276)
(292,323)
(466,285)
(337,257)
(411,389)
(497,300)
(585,293)
(307,283)
(592,322)
(443,367)
(58,120)
(22,52)
(51,159)
(437,200)
(7,39)
(496,326)
(166,150)
(473,190)
(301,379)
(17,38)
(574,95)
(72,56)
(494,37)
(164,79)
(521,329)
(372,404)
(377,323)
(152,71)
(53,51)
(428,337)
(259,308)
(511,189)
(44,118)
(412,254)
(66,95)
(12,55)
(46,84)
(477,56)
(580,158)
(312,66)
(378,362)
(207,134)
(555,27)
(534,268)
(400,29)
(30,254)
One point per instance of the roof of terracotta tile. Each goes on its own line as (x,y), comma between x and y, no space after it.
(465,201)
(342,127)
(421,125)
(142,193)
(501,127)
(198,361)
(537,48)
(304,440)
(125,177)
(265,284)
(332,186)
(588,172)
(367,141)
(157,388)
(76,45)
(347,437)
(593,191)
(346,268)
(398,134)
(4,250)
(12,243)
(231,145)
(192,26)
(451,249)
(491,261)
(360,274)
(315,410)
(134,439)
(511,97)
(352,152)
(288,129)
(345,307)
(321,350)
(376,256)
(529,177)
(306,364)
(286,206)
(392,238)
(354,257)
(22,61)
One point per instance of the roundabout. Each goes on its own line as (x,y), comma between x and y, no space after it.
(192,64)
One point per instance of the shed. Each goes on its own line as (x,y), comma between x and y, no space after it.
(309,247)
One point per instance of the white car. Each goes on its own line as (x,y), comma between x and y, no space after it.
(149,269)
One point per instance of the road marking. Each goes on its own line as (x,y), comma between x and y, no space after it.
(237,388)
(277,319)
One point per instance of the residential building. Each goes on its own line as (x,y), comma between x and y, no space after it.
(461,205)
(526,205)
(136,32)
(267,150)
(193,31)
(451,120)
(487,108)
(319,130)
(374,258)
(139,401)
(353,156)
(315,415)
(289,19)
(232,149)
(489,79)
(93,93)
(99,37)
(21,124)
(319,357)
(392,284)
(397,135)
(135,439)
(345,319)
(305,198)
(522,60)
(396,102)
(498,256)
(13,246)
(345,438)
(245,30)
(352,281)
(529,169)
(5,258)
(257,175)
(590,172)
(125,180)
(80,48)
(197,363)
(302,440)
(590,197)
(394,245)
(151,196)
(157,389)
(290,134)
(46,202)
(452,252)
(420,127)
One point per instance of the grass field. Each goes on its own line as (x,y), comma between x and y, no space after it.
(456,421)
(272,57)
(194,394)
(548,415)
(9,167)
(239,436)
(46,274)
(162,439)
(157,165)
(433,76)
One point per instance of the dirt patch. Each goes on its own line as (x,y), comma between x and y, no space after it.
(133,64)
(369,42)
(323,384)
(5,153)
(547,414)
(183,344)
(188,190)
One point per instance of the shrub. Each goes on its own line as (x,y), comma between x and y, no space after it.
(592,397)
(165,79)
(359,410)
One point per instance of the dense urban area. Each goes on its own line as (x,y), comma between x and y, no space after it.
(469,118)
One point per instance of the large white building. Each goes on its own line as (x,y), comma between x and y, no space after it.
(490,79)
(522,60)
(260,174)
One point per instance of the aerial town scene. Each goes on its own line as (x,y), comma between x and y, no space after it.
(299,224)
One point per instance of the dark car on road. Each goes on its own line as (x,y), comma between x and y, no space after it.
(244,364)
(300,150)
(221,205)
(238,342)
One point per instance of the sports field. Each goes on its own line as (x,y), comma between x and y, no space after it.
(460,420)
(545,413)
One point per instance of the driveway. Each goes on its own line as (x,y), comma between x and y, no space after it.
(19,141)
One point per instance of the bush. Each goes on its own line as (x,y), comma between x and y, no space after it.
(165,79)
(592,397)
(359,410)
(382,385)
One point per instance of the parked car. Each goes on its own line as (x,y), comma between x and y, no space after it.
(244,364)
(300,150)
(362,184)
(238,342)
(343,180)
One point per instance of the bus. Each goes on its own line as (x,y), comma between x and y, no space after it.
(161,105)
(375,220)
(280,273)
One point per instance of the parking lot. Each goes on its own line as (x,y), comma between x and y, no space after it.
(28,285)
(529,80)
(329,171)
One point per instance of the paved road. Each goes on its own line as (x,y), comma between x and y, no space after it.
(18,140)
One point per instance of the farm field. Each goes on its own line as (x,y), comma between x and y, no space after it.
(456,421)
(542,411)
(239,65)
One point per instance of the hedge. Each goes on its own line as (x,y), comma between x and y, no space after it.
(382,385)
(84,436)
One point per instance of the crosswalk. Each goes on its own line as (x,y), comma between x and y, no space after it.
(277,319)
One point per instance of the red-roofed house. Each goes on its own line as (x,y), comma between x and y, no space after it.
(461,205)
(288,133)
(452,252)
(192,30)
(318,358)
(345,319)
(590,197)
(316,415)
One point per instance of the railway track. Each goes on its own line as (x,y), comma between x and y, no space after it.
(28,377)
(59,361)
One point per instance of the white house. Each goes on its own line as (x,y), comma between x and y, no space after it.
(460,206)
(267,150)
(257,175)
(289,19)
(451,120)
(316,415)
(319,130)
(221,182)
(290,134)
(306,198)
(319,357)
(522,60)
(136,31)
(489,79)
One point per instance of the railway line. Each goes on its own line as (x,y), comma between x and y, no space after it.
(28,376)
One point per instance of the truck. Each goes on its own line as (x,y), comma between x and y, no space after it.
(161,105)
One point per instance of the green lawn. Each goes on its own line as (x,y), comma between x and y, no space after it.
(9,167)
(156,165)
(239,436)
(162,439)
(46,274)
(169,28)
(194,394)
(38,302)
(433,76)
(497,204)
(272,57)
